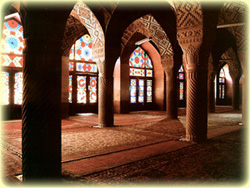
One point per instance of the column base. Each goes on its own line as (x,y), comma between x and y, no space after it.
(193,138)
(171,117)
(101,126)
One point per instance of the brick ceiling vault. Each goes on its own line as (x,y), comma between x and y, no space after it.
(148,26)
(187,15)
(235,13)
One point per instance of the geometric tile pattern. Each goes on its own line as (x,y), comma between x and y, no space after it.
(232,12)
(136,26)
(188,14)
(240,34)
(82,12)
(236,12)
(73,30)
(161,37)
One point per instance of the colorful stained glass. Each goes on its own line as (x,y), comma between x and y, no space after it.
(181,69)
(149,73)
(71,66)
(181,76)
(5,98)
(12,61)
(81,89)
(132,90)
(141,91)
(223,92)
(18,88)
(136,72)
(149,90)
(13,41)
(71,52)
(70,89)
(83,49)
(181,91)
(86,67)
(220,91)
(92,89)
(222,76)
(140,59)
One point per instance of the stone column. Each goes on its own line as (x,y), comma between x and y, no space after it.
(171,93)
(196,111)
(41,121)
(105,104)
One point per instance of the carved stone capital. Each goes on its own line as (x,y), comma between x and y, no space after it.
(191,55)
(192,35)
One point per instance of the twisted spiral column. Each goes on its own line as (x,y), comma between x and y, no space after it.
(196,111)
(41,122)
(105,104)
(41,110)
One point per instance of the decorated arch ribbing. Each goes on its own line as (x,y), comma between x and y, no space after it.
(82,12)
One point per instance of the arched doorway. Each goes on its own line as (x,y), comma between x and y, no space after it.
(224,90)
(141,80)
(83,77)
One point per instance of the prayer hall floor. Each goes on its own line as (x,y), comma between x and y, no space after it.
(143,147)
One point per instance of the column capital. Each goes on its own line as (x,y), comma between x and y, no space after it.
(191,54)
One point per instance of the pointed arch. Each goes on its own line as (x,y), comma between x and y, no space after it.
(82,12)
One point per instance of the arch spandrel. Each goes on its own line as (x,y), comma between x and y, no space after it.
(82,12)
(231,59)
(73,30)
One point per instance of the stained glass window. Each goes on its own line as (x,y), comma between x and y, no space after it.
(181,78)
(83,49)
(12,45)
(71,53)
(93,89)
(181,91)
(149,73)
(141,67)
(81,89)
(12,60)
(132,90)
(13,42)
(141,91)
(18,88)
(71,66)
(82,66)
(222,81)
(140,59)
(181,73)
(137,72)
(70,89)
(149,90)
(86,67)
(223,92)
(222,76)
(5,97)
